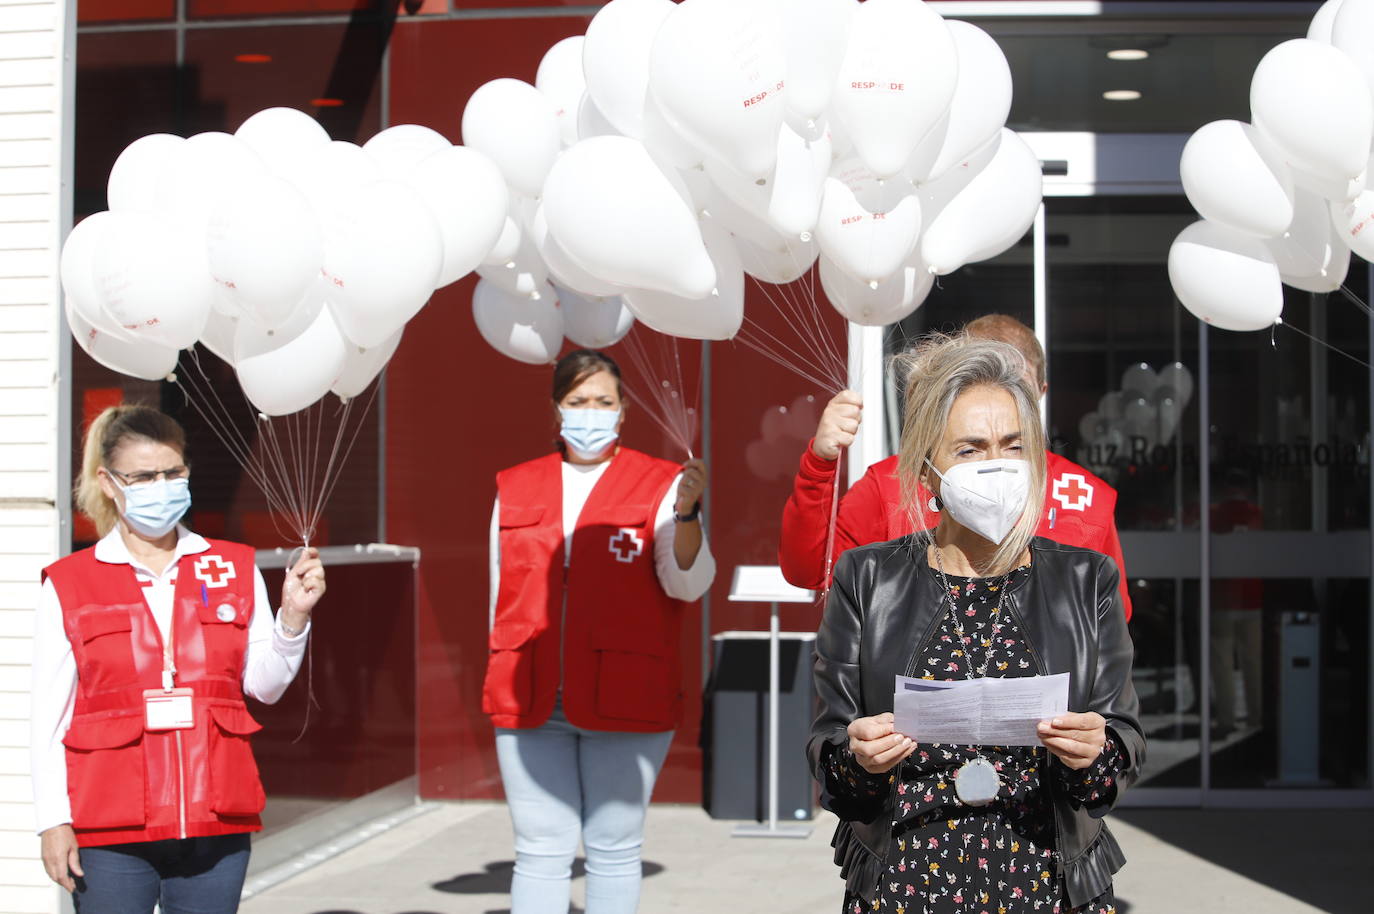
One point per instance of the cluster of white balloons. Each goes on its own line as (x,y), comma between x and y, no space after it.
(1283,199)
(676,147)
(296,259)
(1143,415)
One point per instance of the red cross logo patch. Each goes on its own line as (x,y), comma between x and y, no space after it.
(214,571)
(627,545)
(1073,492)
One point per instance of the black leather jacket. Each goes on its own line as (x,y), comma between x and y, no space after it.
(884,605)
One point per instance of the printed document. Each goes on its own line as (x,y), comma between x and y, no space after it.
(978,712)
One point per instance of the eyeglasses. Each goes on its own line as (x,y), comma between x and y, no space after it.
(143,478)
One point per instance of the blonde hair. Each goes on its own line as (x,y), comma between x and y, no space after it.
(1008,329)
(115,426)
(940,369)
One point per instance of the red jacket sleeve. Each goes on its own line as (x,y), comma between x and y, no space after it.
(806,520)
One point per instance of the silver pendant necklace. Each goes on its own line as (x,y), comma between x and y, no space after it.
(976,783)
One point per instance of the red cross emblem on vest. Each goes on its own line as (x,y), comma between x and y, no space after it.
(214,571)
(1073,492)
(627,545)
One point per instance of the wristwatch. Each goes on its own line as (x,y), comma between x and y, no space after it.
(688,518)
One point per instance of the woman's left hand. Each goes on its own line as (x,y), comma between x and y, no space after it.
(692,486)
(302,589)
(1075,739)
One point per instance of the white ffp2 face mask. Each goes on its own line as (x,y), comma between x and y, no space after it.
(986,496)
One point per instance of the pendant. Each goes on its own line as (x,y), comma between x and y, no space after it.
(977,782)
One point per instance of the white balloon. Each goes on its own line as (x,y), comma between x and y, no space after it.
(897,80)
(615,60)
(77,270)
(1225,278)
(507,243)
(1312,254)
(594,323)
(1312,101)
(468,199)
(137,358)
(560,79)
(523,328)
(709,199)
(523,274)
(400,148)
(613,211)
(935,195)
(591,122)
(218,335)
(361,365)
(814,36)
(788,262)
(1234,176)
(1352,29)
(668,147)
(1110,404)
(1140,377)
(200,172)
(153,280)
(1177,376)
(791,198)
(893,299)
(717,315)
(282,137)
(1325,18)
(283,372)
(868,227)
(329,175)
(516,126)
(265,248)
(718,74)
(137,172)
(982,97)
(382,256)
(562,268)
(991,213)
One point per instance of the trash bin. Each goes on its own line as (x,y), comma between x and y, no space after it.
(734,727)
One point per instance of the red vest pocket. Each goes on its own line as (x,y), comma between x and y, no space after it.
(235,788)
(635,686)
(509,685)
(105,778)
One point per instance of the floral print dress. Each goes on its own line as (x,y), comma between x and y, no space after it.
(948,858)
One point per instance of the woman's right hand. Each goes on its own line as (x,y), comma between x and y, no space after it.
(838,426)
(876,746)
(61,857)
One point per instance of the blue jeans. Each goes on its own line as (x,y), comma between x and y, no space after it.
(564,783)
(190,876)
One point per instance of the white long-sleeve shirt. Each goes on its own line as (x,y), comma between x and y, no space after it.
(578,481)
(271,662)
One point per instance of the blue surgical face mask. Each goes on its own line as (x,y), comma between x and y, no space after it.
(153,508)
(588,432)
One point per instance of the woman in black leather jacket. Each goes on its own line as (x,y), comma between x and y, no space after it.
(936,828)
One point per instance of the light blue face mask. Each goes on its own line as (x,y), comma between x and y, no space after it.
(588,432)
(153,508)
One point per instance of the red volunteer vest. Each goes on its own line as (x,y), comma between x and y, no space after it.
(127,784)
(602,629)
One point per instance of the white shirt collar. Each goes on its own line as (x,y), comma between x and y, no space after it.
(112,550)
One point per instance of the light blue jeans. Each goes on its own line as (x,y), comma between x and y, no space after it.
(564,783)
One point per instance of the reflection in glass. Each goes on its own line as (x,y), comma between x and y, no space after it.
(1164,626)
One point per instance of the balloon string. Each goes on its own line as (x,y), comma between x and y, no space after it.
(663,396)
(1280,322)
(1356,300)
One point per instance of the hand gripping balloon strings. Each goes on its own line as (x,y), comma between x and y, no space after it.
(293,558)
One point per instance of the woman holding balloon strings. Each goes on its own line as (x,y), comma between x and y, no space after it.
(944,828)
(145,646)
(595,551)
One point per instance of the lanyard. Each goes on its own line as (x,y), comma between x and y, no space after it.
(169,666)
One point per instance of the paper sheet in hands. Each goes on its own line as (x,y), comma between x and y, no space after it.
(978,712)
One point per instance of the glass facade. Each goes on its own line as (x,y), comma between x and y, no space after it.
(1243,502)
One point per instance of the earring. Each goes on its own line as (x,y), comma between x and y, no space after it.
(934,504)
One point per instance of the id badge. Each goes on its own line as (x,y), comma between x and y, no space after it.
(168,709)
